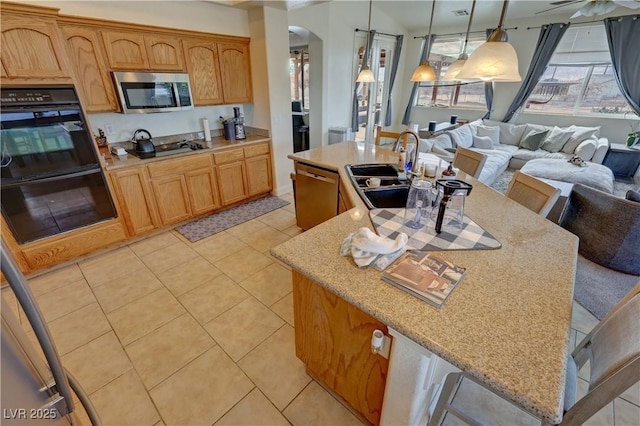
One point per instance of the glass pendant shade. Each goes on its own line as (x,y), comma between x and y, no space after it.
(493,61)
(365,76)
(424,72)
(454,70)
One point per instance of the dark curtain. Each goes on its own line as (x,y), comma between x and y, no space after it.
(488,87)
(623,35)
(392,77)
(550,36)
(365,61)
(424,54)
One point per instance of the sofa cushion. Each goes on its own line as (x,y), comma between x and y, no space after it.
(510,134)
(483,142)
(442,141)
(579,134)
(496,162)
(426,145)
(493,132)
(586,149)
(509,149)
(462,136)
(556,139)
(533,139)
(527,154)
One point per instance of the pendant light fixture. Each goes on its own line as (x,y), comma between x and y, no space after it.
(366,75)
(454,68)
(495,60)
(425,71)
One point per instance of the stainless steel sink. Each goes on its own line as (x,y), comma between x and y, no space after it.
(393,190)
(389,197)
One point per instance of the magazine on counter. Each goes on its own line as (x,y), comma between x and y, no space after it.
(424,275)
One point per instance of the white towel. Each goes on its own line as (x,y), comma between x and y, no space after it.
(366,248)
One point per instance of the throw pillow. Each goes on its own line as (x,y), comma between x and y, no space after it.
(533,140)
(426,145)
(579,134)
(633,195)
(556,139)
(492,132)
(482,142)
(462,136)
(510,134)
(442,141)
(586,149)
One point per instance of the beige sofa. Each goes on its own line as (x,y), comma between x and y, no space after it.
(509,145)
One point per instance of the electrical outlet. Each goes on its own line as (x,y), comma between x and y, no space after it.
(200,135)
(108,128)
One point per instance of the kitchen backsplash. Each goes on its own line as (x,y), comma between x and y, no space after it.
(120,127)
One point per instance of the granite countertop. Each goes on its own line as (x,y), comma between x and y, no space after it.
(217,144)
(507,323)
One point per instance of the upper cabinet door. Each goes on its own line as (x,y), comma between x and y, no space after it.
(235,69)
(31,48)
(83,48)
(125,51)
(204,71)
(165,53)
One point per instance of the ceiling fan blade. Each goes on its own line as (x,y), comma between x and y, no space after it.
(567,3)
(561,2)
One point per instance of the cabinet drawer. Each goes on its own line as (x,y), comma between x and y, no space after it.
(182,165)
(259,149)
(229,156)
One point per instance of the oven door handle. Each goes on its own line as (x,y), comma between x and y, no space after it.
(51,179)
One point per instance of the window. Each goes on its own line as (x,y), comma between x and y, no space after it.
(444,52)
(579,79)
(299,75)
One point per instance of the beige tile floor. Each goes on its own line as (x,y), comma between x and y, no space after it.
(164,331)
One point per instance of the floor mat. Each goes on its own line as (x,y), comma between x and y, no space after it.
(218,222)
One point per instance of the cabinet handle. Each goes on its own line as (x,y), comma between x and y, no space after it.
(314,176)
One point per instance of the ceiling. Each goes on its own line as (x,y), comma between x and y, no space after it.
(414,14)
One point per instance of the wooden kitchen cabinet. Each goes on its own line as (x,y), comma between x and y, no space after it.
(233,186)
(125,50)
(31,48)
(164,53)
(172,198)
(135,199)
(258,168)
(84,49)
(203,66)
(333,340)
(184,187)
(235,72)
(203,190)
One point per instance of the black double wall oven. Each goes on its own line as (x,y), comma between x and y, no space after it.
(52,181)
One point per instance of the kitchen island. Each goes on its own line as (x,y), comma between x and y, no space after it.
(506,324)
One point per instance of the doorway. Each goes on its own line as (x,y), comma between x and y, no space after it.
(372,97)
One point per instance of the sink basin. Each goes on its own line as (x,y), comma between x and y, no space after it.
(389,197)
(376,170)
(384,181)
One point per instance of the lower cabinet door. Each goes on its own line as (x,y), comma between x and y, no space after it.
(233,184)
(258,174)
(135,199)
(172,198)
(203,190)
(333,339)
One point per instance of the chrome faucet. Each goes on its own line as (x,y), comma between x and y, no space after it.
(416,151)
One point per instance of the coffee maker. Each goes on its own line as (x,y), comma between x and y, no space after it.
(238,124)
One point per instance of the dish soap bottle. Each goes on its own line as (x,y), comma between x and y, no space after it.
(402,159)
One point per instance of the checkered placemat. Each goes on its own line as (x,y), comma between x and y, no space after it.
(388,223)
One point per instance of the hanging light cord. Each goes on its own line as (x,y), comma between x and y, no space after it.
(466,37)
(499,34)
(433,8)
(368,32)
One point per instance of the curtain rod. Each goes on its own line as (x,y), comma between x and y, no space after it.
(377,32)
(587,22)
(470,32)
